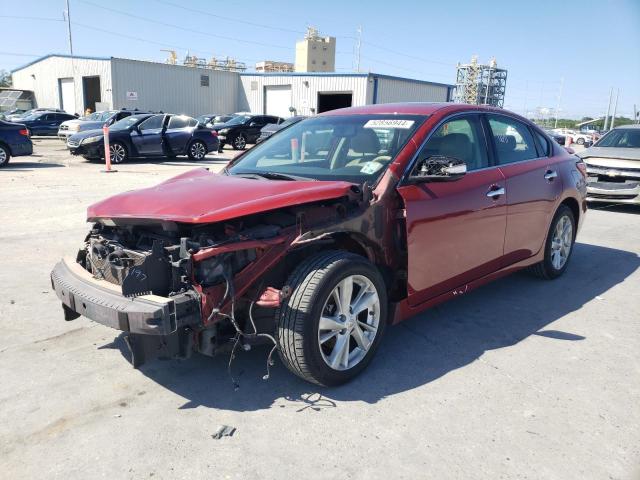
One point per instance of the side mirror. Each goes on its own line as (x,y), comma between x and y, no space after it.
(439,168)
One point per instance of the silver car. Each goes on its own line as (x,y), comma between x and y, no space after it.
(91,122)
(613,166)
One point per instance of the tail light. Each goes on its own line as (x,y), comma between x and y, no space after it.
(24,132)
(580,165)
(214,133)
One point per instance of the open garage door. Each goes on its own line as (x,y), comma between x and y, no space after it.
(277,100)
(67,95)
(332,101)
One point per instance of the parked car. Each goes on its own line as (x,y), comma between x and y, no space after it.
(243,129)
(316,246)
(14,141)
(147,135)
(214,119)
(18,117)
(271,128)
(11,113)
(92,122)
(559,138)
(576,137)
(45,123)
(613,166)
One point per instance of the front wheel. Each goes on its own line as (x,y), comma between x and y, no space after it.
(5,155)
(239,143)
(118,152)
(580,141)
(559,245)
(329,328)
(197,150)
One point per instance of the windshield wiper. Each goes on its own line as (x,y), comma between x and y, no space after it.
(280,176)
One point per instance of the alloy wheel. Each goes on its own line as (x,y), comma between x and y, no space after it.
(117,152)
(349,322)
(198,151)
(3,156)
(239,142)
(561,242)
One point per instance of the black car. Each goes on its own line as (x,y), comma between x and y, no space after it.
(14,141)
(147,135)
(560,139)
(45,123)
(214,118)
(243,129)
(272,128)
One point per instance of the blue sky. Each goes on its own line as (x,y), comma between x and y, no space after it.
(592,45)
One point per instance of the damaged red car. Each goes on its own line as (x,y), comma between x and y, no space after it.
(320,237)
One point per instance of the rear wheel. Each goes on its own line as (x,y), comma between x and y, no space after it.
(197,150)
(559,245)
(118,152)
(330,327)
(5,155)
(239,143)
(580,141)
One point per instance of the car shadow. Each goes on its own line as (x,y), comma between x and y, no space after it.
(616,207)
(29,166)
(413,353)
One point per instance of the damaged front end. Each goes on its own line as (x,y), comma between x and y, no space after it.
(175,288)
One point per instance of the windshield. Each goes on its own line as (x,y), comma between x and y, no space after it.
(290,121)
(100,116)
(239,120)
(32,116)
(353,148)
(621,138)
(127,122)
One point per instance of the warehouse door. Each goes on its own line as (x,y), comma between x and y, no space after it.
(331,101)
(277,100)
(91,89)
(67,95)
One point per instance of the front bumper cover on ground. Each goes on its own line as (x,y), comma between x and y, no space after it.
(103,302)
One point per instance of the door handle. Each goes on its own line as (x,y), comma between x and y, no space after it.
(495,192)
(550,175)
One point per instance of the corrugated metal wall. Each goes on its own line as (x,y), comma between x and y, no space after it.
(400,90)
(42,78)
(304,97)
(173,88)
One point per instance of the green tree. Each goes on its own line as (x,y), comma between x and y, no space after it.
(5,78)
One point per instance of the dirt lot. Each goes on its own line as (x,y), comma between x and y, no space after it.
(519,379)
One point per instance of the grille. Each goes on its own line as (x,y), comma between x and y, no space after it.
(64,127)
(611,197)
(613,185)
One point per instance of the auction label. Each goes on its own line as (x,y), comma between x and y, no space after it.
(390,123)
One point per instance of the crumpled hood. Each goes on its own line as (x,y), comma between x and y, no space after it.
(199,196)
(611,152)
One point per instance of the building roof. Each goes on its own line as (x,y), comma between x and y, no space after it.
(412,108)
(335,74)
(62,55)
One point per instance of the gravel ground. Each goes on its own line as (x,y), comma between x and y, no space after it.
(519,379)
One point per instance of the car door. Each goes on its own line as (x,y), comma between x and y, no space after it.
(532,184)
(178,133)
(48,124)
(254,127)
(147,138)
(455,230)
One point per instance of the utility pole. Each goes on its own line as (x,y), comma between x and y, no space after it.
(635,114)
(69,29)
(615,108)
(606,118)
(559,98)
(358,45)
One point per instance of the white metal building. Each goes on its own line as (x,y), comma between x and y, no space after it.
(58,81)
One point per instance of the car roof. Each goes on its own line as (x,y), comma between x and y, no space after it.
(410,108)
(633,125)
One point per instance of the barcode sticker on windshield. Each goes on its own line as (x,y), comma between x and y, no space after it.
(390,123)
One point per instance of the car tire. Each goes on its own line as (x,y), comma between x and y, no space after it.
(559,245)
(310,347)
(5,156)
(197,150)
(118,152)
(580,141)
(239,142)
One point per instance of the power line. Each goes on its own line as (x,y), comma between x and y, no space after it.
(45,19)
(179,27)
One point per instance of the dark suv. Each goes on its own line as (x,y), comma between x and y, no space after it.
(243,129)
(320,237)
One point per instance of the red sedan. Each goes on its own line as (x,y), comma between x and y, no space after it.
(321,236)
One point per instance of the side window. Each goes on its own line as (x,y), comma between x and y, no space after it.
(461,138)
(193,122)
(259,121)
(512,139)
(178,122)
(122,115)
(542,143)
(47,117)
(152,123)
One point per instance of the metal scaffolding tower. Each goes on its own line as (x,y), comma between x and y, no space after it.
(480,84)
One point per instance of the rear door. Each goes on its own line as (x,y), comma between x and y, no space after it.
(255,125)
(147,139)
(178,134)
(533,184)
(455,230)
